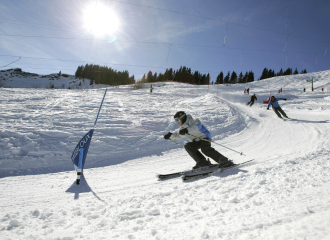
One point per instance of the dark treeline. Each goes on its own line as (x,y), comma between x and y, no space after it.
(104,75)
(271,73)
(232,78)
(185,75)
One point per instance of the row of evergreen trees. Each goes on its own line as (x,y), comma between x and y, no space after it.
(185,75)
(233,78)
(271,73)
(106,75)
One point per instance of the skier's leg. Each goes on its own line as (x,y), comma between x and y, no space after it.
(282,112)
(251,103)
(211,152)
(192,149)
(277,112)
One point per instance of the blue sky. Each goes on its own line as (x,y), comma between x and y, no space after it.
(206,35)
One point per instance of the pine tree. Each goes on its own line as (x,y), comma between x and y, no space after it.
(240,78)
(264,74)
(160,77)
(271,73)
(143,79)
(251,76)
(79,72)
(280,73)
(246,77)
(155,77)
(227,78)
(233,78)
(220,78)
(149,77)
(168,75)
(197,78)
(288,72)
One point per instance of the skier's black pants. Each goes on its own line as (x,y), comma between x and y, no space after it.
(251,103)
(205,147)
(279,111)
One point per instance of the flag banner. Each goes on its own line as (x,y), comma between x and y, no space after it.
(79,154)
(266,101)
(83,144)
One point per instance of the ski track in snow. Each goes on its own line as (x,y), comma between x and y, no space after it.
(283,194)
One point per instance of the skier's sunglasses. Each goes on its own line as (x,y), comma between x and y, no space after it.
(178,119)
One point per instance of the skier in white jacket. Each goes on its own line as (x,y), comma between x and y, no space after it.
(200,138)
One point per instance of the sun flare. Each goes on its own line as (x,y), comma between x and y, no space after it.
(101,20)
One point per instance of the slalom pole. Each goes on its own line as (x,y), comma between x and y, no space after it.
(241,153)
(100,108)
(79,154)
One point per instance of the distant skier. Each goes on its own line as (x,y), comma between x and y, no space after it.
(200,138)
(276,107)
(252,99)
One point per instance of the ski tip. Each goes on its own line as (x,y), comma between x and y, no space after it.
(159,177)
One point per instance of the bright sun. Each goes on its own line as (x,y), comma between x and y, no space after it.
(100,20)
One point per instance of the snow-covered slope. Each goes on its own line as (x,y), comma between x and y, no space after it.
(15,78)
(283,194)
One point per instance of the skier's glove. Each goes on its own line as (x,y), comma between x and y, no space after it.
(284,99)
(183,131)
(168,135)
(268,108)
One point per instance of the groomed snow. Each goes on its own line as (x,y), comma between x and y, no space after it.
(283,194)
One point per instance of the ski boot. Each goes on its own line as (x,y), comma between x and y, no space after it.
(226,163)
(202,163)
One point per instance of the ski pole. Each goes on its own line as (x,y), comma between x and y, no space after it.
(177,143)
(217,144)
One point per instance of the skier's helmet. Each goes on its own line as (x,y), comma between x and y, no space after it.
(273,97)
(180,116)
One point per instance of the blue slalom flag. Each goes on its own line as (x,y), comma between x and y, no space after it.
(80,152)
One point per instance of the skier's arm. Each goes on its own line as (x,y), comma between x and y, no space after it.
(176,136)
(270,102)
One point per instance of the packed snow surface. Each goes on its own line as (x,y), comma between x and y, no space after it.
(283,194)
